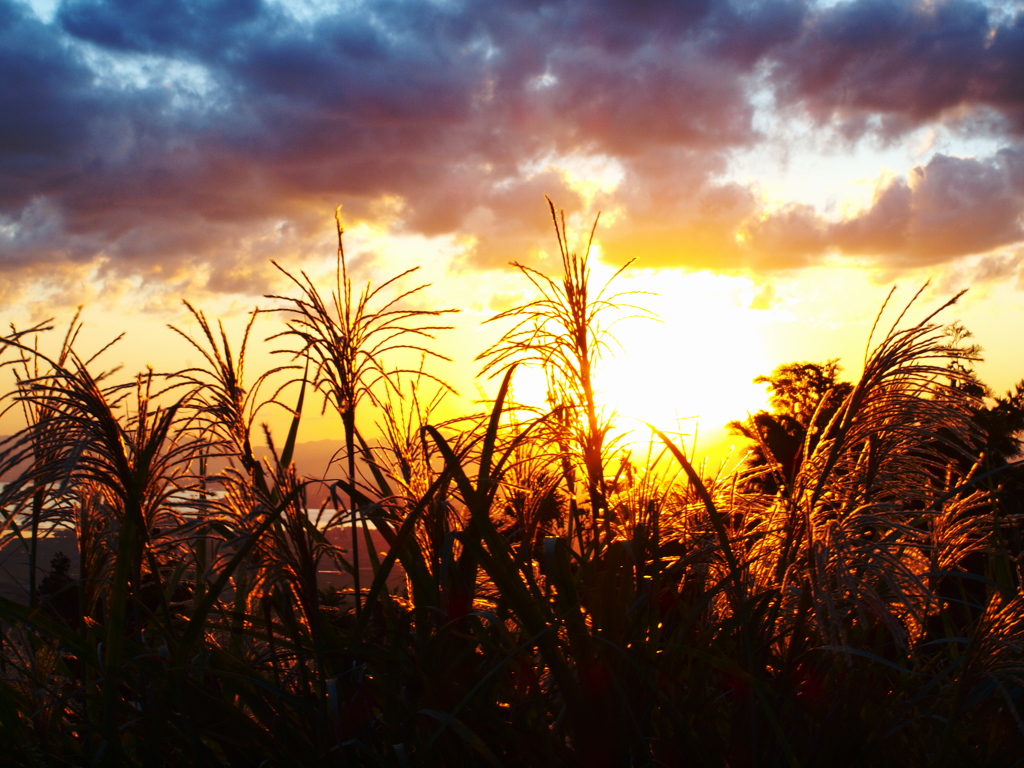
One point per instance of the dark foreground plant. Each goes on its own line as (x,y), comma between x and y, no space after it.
(347,340)
(866,611)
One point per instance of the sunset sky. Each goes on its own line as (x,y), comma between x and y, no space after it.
(773,167)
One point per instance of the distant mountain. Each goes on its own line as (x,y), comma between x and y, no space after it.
(312,460)
(316,460)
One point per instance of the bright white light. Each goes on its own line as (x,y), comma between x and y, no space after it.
(44,9)
(540,82)
(144,71)
(588,174)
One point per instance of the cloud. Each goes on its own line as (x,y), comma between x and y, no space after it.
(884,66)
(765,298)
(47,103)
(993,268)
(167,137)
(949,208)
(163,26)
(788,238)
(223,114)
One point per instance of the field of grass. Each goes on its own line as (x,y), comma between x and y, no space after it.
(856,602)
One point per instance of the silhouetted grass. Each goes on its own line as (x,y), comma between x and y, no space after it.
(868,613)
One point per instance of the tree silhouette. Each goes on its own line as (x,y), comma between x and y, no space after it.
(804,397)
(1003,423)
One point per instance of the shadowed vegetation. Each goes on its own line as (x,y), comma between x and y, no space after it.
(851,595)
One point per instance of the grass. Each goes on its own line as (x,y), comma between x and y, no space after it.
(562,606)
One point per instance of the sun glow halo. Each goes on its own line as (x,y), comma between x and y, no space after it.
(688,373)
(691,374)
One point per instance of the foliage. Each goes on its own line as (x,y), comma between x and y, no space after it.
(866,609)
(804,398)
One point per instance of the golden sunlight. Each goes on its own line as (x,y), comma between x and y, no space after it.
(690,371)
(693,371)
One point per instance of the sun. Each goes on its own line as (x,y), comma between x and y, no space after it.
(688,373)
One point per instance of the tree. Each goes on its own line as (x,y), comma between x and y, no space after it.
(1003,424)
(804,397)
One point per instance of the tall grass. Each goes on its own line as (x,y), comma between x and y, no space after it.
(868,613)
(346,339)
(564,331)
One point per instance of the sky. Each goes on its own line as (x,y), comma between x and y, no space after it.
(773,168)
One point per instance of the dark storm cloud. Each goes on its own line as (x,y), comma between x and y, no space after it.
(166,136)
(879,64)
(47,104)
(440,105)
(162,26)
